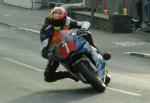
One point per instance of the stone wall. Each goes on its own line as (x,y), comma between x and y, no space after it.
(100,22)
(112,23)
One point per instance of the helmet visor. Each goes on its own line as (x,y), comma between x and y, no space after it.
(57,28)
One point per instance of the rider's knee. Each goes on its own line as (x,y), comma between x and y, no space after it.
(44,53)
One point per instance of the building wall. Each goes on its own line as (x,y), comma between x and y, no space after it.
(30,4)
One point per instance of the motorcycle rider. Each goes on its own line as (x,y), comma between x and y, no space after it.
(57,20)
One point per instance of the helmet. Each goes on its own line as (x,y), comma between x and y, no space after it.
(58,17)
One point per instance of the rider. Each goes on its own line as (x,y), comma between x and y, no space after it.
(56,20)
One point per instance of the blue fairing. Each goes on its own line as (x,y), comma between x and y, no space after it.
(80,41)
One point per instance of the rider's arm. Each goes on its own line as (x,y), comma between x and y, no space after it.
(77,24)
(47,22)
(45,35)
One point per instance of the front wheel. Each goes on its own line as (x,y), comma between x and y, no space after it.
(88,73)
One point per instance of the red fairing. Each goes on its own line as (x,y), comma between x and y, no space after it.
(67,48)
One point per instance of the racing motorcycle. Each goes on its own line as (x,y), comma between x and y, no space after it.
(75,54)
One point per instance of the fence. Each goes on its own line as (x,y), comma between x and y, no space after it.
(115,6)
(127,7)
(146,11)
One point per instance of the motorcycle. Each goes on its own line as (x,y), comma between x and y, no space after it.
(74,53)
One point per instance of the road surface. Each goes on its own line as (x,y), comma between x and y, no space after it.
(21,71)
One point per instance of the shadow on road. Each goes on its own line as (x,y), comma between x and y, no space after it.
(57,96)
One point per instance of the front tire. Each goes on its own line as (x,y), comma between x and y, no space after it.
(88,73)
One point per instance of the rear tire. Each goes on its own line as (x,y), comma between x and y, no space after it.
(107,79)
(86,70)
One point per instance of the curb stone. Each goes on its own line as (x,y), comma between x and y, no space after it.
(138,54)
(2,23)
(25,29)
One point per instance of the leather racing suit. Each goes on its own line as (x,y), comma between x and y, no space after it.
(46,34)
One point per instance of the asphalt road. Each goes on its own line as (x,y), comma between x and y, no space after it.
(21,71)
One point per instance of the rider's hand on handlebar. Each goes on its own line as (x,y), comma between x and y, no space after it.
(51,56)
(81,31)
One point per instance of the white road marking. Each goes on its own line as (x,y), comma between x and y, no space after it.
(124,92)
(1,48)
(130,44)
(39,70)
(22,64)
(7,15)
(26,29)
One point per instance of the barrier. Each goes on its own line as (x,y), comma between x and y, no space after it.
(146,11)
(146,15)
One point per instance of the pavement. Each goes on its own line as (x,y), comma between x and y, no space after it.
(22,18)
(32,20)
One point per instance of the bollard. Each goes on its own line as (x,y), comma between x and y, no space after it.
(125,11)
(105,12)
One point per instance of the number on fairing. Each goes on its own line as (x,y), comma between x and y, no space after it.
(66,46)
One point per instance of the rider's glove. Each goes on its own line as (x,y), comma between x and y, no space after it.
(51,57)
(81,31)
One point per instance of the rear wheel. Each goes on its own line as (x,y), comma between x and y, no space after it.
(107,79)
(86,70)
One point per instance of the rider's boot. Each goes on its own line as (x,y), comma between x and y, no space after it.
(49,77)
(105,55)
